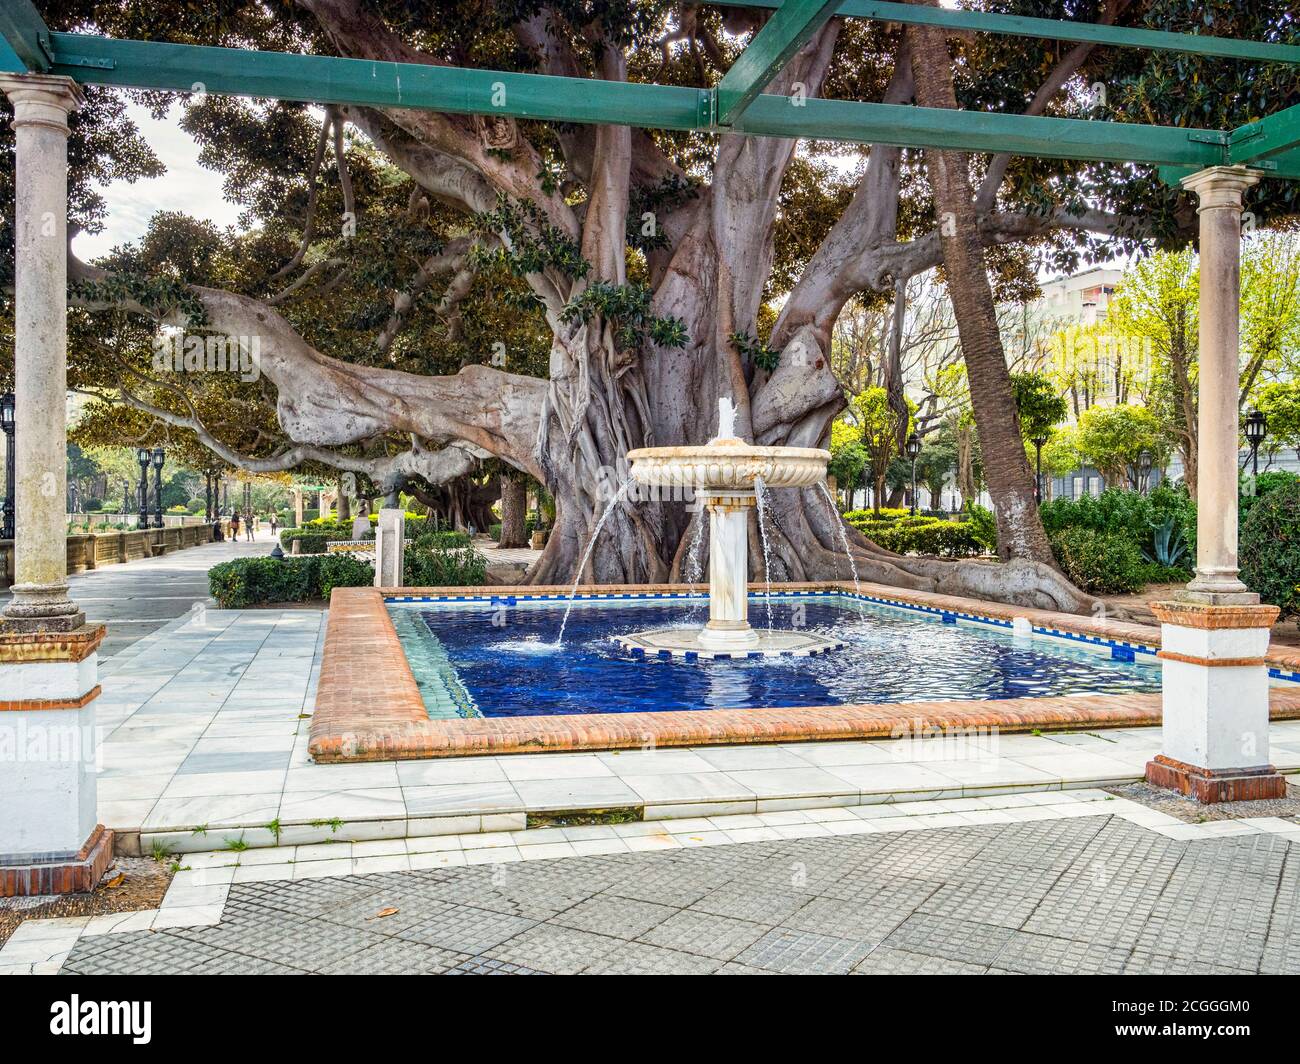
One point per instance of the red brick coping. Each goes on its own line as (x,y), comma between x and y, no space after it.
(368,706)
(72,874)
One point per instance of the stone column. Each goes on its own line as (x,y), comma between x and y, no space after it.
(728,627)
(1219,190)
(41,107)
(50,838)
(1214,636)
(297,507)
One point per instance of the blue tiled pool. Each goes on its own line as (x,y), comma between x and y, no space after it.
(499,659)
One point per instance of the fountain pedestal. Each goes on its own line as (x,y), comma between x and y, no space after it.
(724,473)
(728,628)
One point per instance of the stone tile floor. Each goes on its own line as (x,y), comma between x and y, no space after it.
(206,745)
(1082,886)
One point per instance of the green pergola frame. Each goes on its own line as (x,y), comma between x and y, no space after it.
(736,105)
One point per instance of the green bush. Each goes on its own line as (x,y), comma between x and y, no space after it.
(1270,548)
(246,582)
(1102,563)
(313,538)
(494,531)
(919,535)
(1265,484)
(92,506)
(341,570)
(1141,519)
(433,566)
(431,540)
(983,526)
(886,514)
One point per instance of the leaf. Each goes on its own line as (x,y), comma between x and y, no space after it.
(390,911)
(117,880)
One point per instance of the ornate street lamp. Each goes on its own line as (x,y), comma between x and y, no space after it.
(126,498)
(7,410)
(1256,429)
(1144,469)
(159,456)
(913,449)
(1039,443)
(142,456)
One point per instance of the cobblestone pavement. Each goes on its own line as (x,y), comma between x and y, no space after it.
(1091,894)
(139,597)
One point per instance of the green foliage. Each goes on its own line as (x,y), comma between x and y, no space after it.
(444,567)
(313,538)
(1112,438)
(1255,488)
(1102,563)
(159,295)
(1280,403)
(627,308)
(1130,515)
(1168,547)
(1270,548)
(983,525)
(245,582)
(757,352)
(535,245)
(1040,405)
(919,535)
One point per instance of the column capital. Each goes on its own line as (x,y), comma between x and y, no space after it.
(1220,186)
(42,99)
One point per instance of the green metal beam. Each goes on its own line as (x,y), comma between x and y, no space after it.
(922,127)
(1053,29)
(1272,136)
(328,79)
(26,36)
(788,30)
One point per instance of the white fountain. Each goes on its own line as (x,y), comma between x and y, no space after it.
(724,472)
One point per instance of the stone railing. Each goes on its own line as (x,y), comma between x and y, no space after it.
(92,550)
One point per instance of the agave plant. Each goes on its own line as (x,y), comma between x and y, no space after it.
(1167,544)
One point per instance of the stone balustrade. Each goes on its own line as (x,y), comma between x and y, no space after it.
(93,550)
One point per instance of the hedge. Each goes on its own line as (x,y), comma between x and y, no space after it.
(919,535)
(244,582)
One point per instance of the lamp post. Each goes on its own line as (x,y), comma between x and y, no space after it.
(126,498)
(142,456)
(7,408)
(1144,469)
(1256,429)
(913,449)
(1039,443)
(159,456)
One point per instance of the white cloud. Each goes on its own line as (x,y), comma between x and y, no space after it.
(186,186)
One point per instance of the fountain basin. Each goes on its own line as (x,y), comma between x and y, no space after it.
(728,465)
(688,644)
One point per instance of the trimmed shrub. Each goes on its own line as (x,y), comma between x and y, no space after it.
(341,570)
(1102,563)
(921,535)
(1270,548)
(245,582)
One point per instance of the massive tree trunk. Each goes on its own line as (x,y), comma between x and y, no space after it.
(1010,478)
(601,399)
(514,510)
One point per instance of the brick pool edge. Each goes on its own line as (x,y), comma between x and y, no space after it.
(368,706)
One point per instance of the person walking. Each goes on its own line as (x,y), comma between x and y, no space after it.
(275,524)
(248,526)
(234,526)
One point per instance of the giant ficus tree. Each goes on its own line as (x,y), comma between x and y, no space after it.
(664,270)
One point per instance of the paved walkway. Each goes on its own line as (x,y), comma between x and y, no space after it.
(139,597)
(1074,888)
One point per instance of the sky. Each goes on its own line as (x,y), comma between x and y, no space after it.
(186,186)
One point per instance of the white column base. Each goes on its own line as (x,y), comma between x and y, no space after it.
(1215,702)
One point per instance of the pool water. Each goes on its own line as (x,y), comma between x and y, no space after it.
(480,659)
